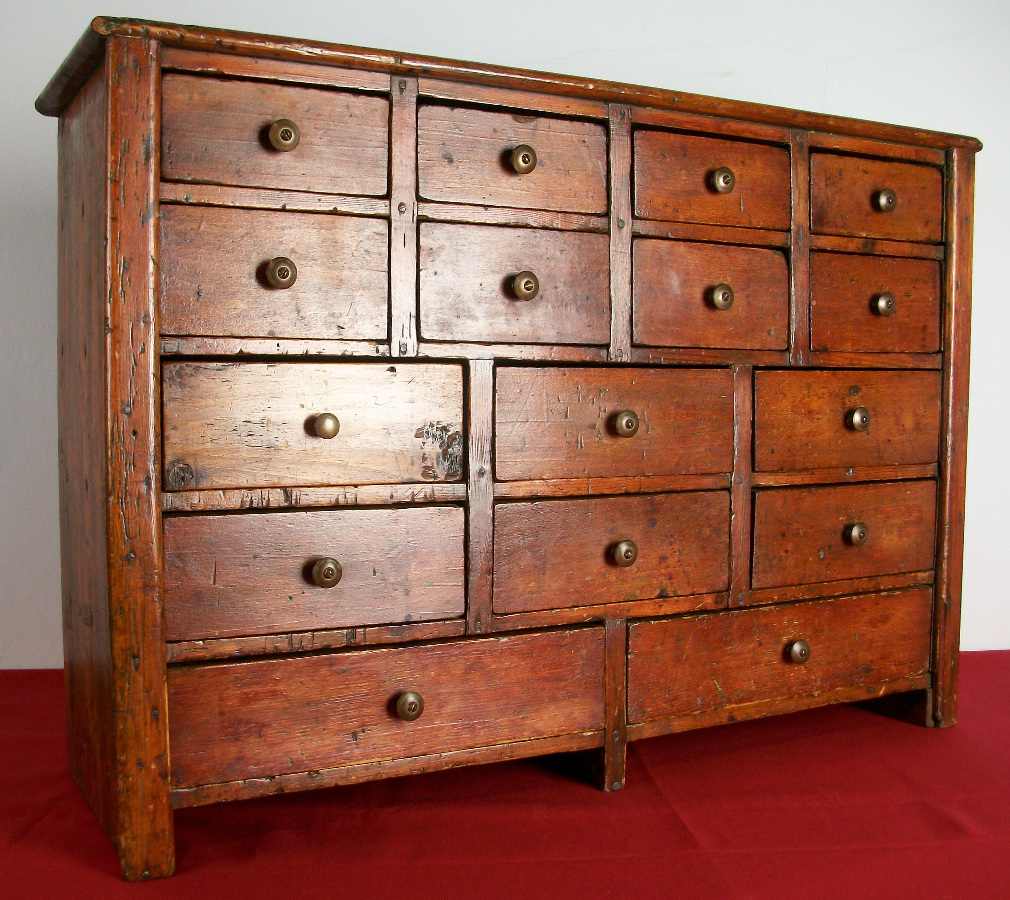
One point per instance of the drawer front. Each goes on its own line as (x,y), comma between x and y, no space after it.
(676,303)
(216,131)
(804,535)
(561,422)
(845,198)
(278,716)
(465,156)
(804,420)
(468,294)
(674,181)
(214,274)
(681,667)
(878,304)
(260,573)
(255,424)
(553,554)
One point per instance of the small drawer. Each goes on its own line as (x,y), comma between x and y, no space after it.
(871,198)
(880,304)
(685,178)
(256,719)
(471,289)
(219,132)
(503,159)
(819,420)
(809,535)
(271,573)
(554,554)
(235,425)
(696,664)
(256,273)
(570,422)
(710,295)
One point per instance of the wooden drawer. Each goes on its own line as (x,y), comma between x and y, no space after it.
(216,131)
(674,304)
(464,156)
(214,282)
(554,554)
(276,716)
(802,419)
(253,573)
(847,311)
(560,422)
(802,535)
(253,424)
(674,172)
(467,292)
(845,196)
(692,665)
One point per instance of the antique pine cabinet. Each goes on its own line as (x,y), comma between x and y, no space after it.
(417,413)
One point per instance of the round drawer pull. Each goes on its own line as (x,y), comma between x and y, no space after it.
(281,272)
(859,419)
(284,135)
(721,296)
(326,426)
(624,553)
(526,285)
(884,305)
(326,572)
(885,200)
(409,706)
(626,423)
(524,159)
(857,534)
(799,652)
(722,180)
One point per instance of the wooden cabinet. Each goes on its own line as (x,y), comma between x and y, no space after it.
(417,414)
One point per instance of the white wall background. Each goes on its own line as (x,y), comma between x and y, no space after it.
(933,64)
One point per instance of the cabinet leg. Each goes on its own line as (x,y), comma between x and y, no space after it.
(610,775)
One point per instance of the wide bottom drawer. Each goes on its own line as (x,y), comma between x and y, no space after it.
(257,719)
(679,667)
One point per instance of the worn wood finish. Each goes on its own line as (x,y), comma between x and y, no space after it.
(237,425)
(269,198)
(742,656)
(800,533)
(801,419)
(672,307)
(620,234)
(480,515)
(617,484)
(213,130)
(321,711)
(557,423)
(403,213)
(213,279)
(551,554)
(672,174)
(466,275)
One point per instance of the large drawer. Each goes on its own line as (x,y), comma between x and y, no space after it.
(269,573)
(561,553)
(256,719)
(562,422)
(695,664)
(258,424)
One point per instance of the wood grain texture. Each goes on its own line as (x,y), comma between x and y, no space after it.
(799,251)
(463,157)
(673,280)
(239,425)
(557,422)
(551,554)
(403,215)
(213,131)
(843,289)
(466,275)
(620,234)
(842,198)
(695,664)
(213,278)
(611,775)
(741,496)
(320,711)
(801,419)
(480,491)
(799,533)
(305,498)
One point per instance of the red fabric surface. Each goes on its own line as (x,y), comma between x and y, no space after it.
(836,802)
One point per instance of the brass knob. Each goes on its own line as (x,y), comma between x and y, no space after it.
(624,553)
(524,159)
(722,180)
(859,419)
(526,285)
(883,304)
(626,423)
(857,534)
(885,200)
(281,272)
(721,296)
(326,425)
(326,572)
(799,652)
(409,706)
(284,135)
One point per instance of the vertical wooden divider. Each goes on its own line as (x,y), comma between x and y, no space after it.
(615,698)
(740,494)
(480,497)
(403,218)
(620,233)
(799,251)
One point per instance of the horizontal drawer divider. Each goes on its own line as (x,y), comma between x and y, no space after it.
(198,345)
(867,147)
(434,211)
(270,198)
(598,487)
(834,359)
(843,476)
(534,352)
(514,97)
(717,234)
(307,497)
(660,606)
(876,246)
(872,583)
(700,356)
